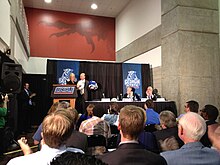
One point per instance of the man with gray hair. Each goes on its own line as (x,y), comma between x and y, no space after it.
(190,130)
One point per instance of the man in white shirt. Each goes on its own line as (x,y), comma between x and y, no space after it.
(57,128)
(82,87)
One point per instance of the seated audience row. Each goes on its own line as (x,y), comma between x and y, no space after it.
(56,129)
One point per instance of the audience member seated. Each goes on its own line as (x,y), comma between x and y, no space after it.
(190,106)
(190,130)
(3,113)
(210,114)
(77,139)
(131,94)
(145,139)
(56,129)
(37,135)
(112,117)
(214,136)
(169,129)
(131,124)
(88,114)
(152,116)
(149,94)
(71,158)
(95,126)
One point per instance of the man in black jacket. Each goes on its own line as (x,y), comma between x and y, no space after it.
(26,107)
(131,124)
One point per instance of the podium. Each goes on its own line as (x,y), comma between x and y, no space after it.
(64,93)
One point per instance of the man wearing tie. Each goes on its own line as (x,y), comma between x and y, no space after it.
(82,87)
(149,93)
(26,108)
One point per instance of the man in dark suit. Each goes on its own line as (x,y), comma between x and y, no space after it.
(131,124)
(82,86)
(26,108)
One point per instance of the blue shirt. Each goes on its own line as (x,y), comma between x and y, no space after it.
(152,117)
(37,135)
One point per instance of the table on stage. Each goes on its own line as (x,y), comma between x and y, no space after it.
(101,107)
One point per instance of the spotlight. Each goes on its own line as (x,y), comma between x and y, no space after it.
(48,1)
(94,6)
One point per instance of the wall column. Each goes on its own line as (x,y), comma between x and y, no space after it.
(190,52)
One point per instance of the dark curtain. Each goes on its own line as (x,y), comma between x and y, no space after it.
(146,78)
(107,75)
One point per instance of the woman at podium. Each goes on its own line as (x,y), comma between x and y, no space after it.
(72,79)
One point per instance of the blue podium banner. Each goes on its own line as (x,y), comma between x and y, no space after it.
(64,68)
(132,77)
(64,90)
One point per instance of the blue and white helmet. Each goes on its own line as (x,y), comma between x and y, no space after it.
(93,85)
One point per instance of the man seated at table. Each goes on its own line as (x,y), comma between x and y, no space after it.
(131,94)
(131,124)
(149,93)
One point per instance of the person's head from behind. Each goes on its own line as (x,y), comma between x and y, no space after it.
(149,104)
(82,76)
(53,108)
(191,106)
(191,127)
(72,77)
(167,119)
(209,112)
(63,105)
(113,108)
(131,121)
(149,91)
(90,110)
(72,158)
(57,127)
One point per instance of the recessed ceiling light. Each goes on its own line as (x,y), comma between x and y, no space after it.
(94,6)
(48,1)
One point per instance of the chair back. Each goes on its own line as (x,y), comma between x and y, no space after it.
(96,140)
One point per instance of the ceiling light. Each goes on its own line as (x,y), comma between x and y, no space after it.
(48,1)
(94,6)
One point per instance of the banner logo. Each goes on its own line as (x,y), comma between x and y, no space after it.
(132,80)
(65,76)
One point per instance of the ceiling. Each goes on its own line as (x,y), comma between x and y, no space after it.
(107,8)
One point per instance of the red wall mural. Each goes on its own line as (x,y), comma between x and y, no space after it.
(73,36)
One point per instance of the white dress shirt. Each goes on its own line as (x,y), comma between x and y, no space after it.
(42,157)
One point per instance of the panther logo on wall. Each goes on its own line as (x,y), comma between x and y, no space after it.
(65,76)
(132,80)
